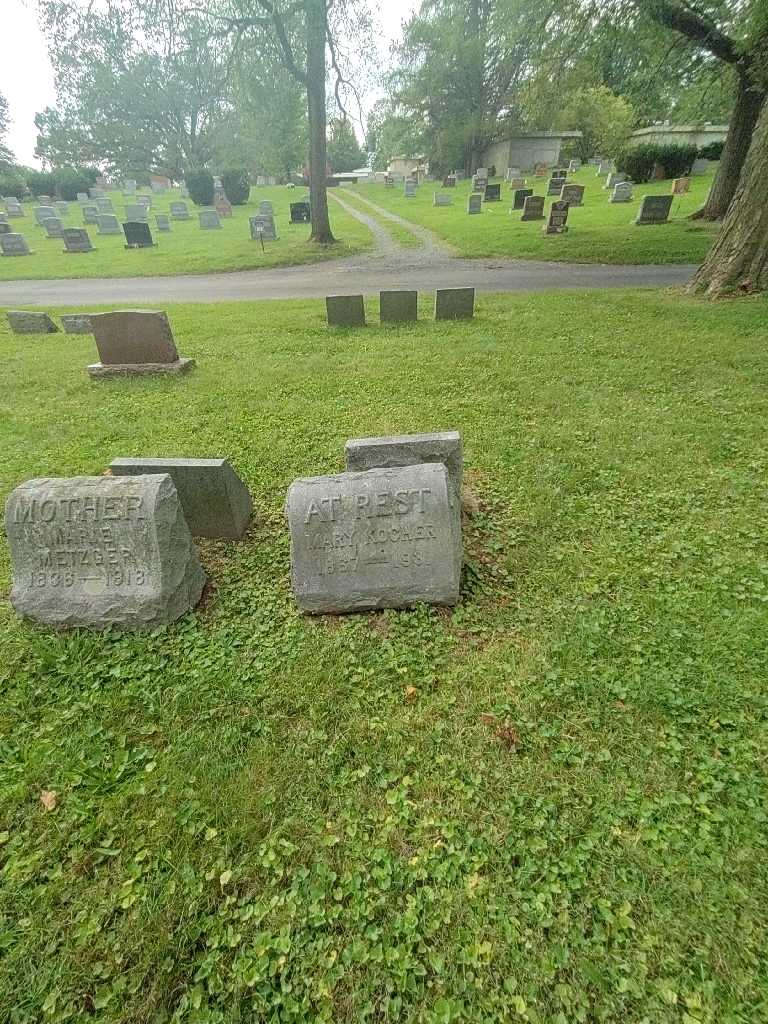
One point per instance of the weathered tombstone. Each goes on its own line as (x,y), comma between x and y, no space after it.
(14,210)
(516,183)
(680,186)
(22,322)
(223,207)
(104,205)
(574,165)
(409,188)
(383,538)
(76,240)
(96,193)
(135,212)
(345,310)
(101,551)
(215,501)
(540,170)
(90,214)
(654,210)
(479,184)
(555,185)
(138,235)
(209,220)
(474,203)
(440,199)
(265,207)
(135,342)
(3,218)
(482,172)
(454,303)
(62,208)
(449,181)
(109,224)
(558,218)
(179,211)
(389,181)
(572,194)
(513,172)
(533,208)
(263,227)
(363,453)
(13,244)
(301,213)
(493,193)
(700,166)
(43,213)
(53,227)
(614,179)
(659,172)
(519,196)
(5,228)
(76,323)
(622,193)
(145,201)
(398,306)
(82,197)
(163,222)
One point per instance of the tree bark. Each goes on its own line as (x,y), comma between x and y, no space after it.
(738,261)
(317,27)
(746,111)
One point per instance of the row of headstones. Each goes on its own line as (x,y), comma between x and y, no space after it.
(400,306)
(117,549)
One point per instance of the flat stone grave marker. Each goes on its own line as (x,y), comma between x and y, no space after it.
(622,193)
(440,199)
(101,551)
(13,244)
(179,211)
(223,207)
(138,235)
(345,310)
(109,224)
(482,172)
(409,188)
(555,185)
(301,213)
(53,227)
(265,207)
(22,322)
(558,218)
(5,227)
(90,214)
(135,342)
(209,220)
(77,240)
(215,501)
(3,218)
(76,323)
(135,212)
(654,210)
(62,208)
(680,186)
(454,303)
(474,203)
(572,194)
(163,222)
(614,179)
(398,306)
(363,453)
(383,538)
(263,227)
(519,196)
(533,208)
(493,193)
(43,213)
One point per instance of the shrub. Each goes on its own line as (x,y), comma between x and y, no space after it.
(237,185)
(41,183)
(712,151)
(12,183)
(200,185)
(638,162)
(70,181)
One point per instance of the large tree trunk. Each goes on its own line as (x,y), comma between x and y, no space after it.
(317,25)
(746,111)
(738,261)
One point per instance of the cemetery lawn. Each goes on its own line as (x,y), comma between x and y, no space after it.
(547,805)
(186,249)
(599,231)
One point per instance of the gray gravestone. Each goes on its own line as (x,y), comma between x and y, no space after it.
(179,211)
(215,500)
(129,185)
(209,220)
(622,193)
(163,222)
(135,342)
(262,227)
(409,188)
(145,201)
(345,310)
(398,306)
(90,214)
(62,208)
(43,213)
(572,194)
(104,205)
(96,193)
(76,323)
(474,203)
(82,197)
(493,193)
(22,322)
(533,208)
(13,244)
(101,551)
(14,210)
(408,450)
(137,235)
(109,224)
(555,185)
(519,196)
(654,210)
(440,199)
(53,227)
(134,212)
(385,538)
(5,228)
(76,240)
(265,207)
(454,303)
(614,179)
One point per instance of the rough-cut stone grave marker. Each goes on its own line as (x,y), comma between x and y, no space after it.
(654,210)
(398,306)
(408,450)
(680,186)
(454,303)
(533,208)
(77,240)
(14,244)
(22,322)
(109,224)
(138,235)
(209,220)
(345,310)
(135,342)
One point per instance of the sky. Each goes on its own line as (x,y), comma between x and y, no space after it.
(26,76)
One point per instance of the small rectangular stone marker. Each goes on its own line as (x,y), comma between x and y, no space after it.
(345,310)
(454,303)
(145,201)
(265,208)
(614,179)
(5,228)
(385,538)
(398,306)
(90,214)
(22,322)
(76,323)
(516,183)
(179,211)
(680,186)
(408,450)
(137,235)
(215,500)
(449,181)
(533,208)
(135,342)
(209,220)
(301,213)
(700,166)
(440,199)
(62,208)
(493,193)
(135,212)
(104,205)
(163,222)
(555,185)
(76,240)
(558,217)
(389,181)
(43,213)
(474,203)
(223,207)
(654,210)
(13,244)
(263,227)
(409,188)
(83,197)
(572,194)
(622,193)
(519,196)
(53,227)
(109,224)
(101,551)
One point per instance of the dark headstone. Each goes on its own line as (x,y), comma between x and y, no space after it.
(654,210)
(398,306)
(76,240)
(558,217)
(454,303)
(345,310)
(493,193)
(137,235)
(519,196)
(22,322)
(533,208)
(300,213)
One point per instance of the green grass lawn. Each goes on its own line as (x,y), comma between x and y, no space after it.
(546,805)
(187,249)
(599,231)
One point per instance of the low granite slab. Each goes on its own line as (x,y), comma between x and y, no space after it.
(76,323)
(345,310)
(444,447)
(454,303)
(398,306)
(22,322)
(174,369)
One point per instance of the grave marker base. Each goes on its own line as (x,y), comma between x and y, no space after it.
(99,370)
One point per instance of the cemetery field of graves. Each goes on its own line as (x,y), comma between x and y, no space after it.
(544,804)
(186,248)
(598,232)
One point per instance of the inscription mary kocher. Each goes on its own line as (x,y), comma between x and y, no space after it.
(381,538)
(101,551)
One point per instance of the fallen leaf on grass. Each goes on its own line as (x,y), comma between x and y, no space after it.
(509,736)
(411,693)
(488,719)
(49,798)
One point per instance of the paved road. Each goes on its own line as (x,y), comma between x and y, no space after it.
(388,266)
